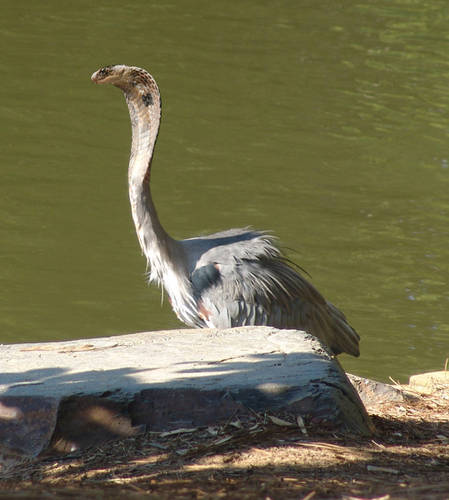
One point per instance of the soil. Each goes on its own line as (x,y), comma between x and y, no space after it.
(264,458)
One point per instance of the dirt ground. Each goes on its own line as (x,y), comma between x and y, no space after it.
(261,459)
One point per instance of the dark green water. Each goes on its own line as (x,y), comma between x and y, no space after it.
(326,121)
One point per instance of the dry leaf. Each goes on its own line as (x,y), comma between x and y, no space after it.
(301,425)
(222,440)
(309,496)
(178,431)
(157,445)
(280,421)
(375,468)
(384,497)
(61,349)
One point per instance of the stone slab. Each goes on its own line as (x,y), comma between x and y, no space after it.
(430,382)
(85,421)
(26,424)
(373,393)
(203,359)
(186,373)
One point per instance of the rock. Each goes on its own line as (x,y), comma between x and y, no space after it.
(26,424)
(373,393)
(428,383)
(89,420)
(181,378)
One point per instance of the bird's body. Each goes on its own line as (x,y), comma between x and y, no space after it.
(232,278)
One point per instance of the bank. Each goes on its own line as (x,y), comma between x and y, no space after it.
(270,451)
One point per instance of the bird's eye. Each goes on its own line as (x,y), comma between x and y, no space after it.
(147,99)
(104,72)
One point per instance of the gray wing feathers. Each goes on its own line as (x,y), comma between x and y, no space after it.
(253,284)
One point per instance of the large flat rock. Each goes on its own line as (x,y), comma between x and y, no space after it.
(431,382)
(184,377)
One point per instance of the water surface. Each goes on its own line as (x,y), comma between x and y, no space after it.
(326,121)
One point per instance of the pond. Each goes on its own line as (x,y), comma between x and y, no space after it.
(324,121)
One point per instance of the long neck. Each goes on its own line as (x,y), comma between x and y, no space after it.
(145,120)
(162,252)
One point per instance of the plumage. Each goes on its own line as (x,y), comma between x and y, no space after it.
(231,278)
(253,284)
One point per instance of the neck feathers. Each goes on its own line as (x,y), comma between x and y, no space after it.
(164,255)
(144,104)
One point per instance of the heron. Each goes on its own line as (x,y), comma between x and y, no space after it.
(230,278)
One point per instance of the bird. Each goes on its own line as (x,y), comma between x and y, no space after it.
(235,277)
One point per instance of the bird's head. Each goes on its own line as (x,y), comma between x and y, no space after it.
(131,79)
(118,75)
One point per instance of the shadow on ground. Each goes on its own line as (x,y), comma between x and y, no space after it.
(409,458)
